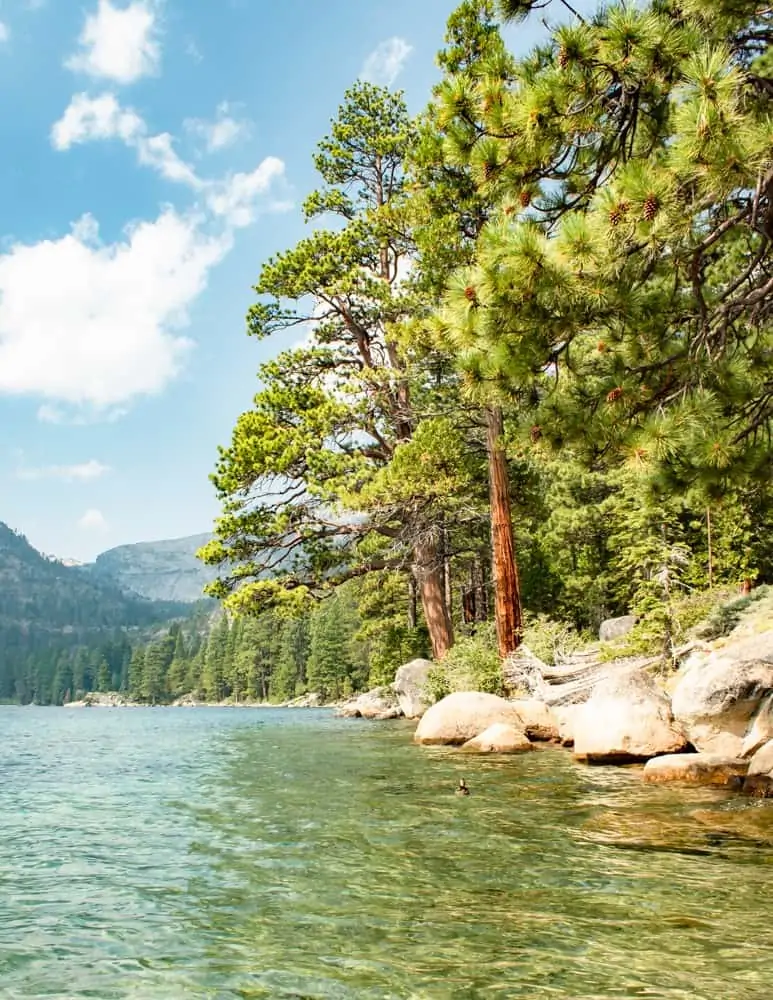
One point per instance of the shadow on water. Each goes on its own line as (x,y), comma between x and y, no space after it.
(236,854)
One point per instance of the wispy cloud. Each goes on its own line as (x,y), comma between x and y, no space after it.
(82,472)
(5,34)
(224,131)
(386,62)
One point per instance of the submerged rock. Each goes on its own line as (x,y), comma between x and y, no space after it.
(626,719)
(409,686)
(723,697)
(461,716)
(759,778)
(380,703)
(499,738)
(696,769)
(539,721)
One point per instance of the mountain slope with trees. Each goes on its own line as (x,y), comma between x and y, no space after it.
(52,615)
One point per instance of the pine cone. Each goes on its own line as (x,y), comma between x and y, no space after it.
(488,170)
(563,57)
(536,433)
(601,347)
(651,206)
(525,199)
(471,295)
(618,212)
(614,395)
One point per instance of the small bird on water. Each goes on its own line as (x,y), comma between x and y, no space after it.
(462,789)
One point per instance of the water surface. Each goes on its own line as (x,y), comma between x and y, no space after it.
(173,853)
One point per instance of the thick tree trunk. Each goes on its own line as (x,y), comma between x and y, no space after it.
(428,570)
(507,592)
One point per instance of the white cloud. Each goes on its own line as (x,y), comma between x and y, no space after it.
(5,34)
(95,326)
(220,133)
(88,118)
(236,198)
(386,61)
(83,472)
(93,520)
(118,43)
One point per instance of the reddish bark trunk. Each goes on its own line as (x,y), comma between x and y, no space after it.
(428,570)
(507,591)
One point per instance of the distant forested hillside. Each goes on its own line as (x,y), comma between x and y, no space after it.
(56,619)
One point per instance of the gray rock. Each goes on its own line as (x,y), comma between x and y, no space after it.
(696,769)
(723,696)
(539,720)
(459,717)
(616,628)
(380,703)
(759,778)
(499,738)
(626,719)
(409,686)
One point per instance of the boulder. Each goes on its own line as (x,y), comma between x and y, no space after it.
(461,716)
(565,715)
(499,738)
(626,719)
(616,628)
(539,720)
(761,729)
(696,769)
(409,685)
(759,777)
(380,703)
(723,697)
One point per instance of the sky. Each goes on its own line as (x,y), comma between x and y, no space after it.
(155,153)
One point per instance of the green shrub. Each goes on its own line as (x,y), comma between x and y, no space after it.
(724,619)
(549,639)
(472,664)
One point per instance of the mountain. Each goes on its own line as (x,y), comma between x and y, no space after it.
(48,609)
(161,571)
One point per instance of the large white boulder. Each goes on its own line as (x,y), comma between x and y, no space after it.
(461,716)
(409,685)
(626,719)
(723,697)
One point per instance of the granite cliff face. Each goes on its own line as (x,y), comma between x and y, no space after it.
(161,571)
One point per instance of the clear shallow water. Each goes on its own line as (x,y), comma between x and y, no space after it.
(241,854)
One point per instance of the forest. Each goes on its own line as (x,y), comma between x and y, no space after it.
(533,372)
(532,383)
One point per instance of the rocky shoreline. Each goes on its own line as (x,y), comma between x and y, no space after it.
(709,723)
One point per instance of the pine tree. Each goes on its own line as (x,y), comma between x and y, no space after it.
(335,413)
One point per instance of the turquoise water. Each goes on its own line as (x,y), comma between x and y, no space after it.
(175,853)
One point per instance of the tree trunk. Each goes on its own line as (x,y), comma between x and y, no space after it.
(428,570)
(507,592)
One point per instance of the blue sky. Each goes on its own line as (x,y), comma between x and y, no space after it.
(155,152)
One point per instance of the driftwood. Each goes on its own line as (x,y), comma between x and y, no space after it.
(572,680)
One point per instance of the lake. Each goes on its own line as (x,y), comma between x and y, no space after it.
(236,853)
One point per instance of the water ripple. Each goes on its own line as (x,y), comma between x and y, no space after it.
(234,854)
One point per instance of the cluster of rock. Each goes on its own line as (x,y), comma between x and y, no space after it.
(715,727)
(405,697)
